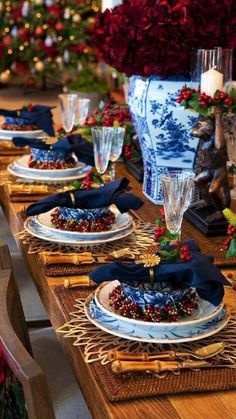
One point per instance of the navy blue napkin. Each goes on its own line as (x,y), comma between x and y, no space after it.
(199,273)
(111,193)
(72,143)
(40,115)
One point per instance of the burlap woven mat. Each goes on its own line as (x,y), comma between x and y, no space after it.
(137,385)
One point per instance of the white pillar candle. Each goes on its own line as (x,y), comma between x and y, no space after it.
(211,81)
(109,4)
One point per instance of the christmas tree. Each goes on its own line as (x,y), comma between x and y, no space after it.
(43,38)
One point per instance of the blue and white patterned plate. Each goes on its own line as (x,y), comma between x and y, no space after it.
(53,178)
(33,227)
(122,223)
(204,312)
(8,134)
(22,164)
(174,334)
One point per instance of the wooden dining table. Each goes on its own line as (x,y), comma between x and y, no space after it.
(211,405)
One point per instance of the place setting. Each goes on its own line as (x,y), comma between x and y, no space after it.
(136,307)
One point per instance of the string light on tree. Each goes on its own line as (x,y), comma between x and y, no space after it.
(41,37)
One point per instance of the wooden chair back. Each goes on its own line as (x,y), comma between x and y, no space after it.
(15,343)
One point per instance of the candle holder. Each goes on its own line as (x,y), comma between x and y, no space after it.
(213,98)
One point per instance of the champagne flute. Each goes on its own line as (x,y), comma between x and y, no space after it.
(177,193)
(81,110)
(116,149)
(102,140)
(68,107)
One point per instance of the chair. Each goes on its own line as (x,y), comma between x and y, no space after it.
(67,400)
(15,343)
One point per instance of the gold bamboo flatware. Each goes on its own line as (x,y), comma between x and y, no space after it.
(81,281)
(119,367)
(50,258)
(204,352)
(27,189)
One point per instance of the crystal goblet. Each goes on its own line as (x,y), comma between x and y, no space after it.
(102,140)
(68,107)
(81,110)
(177,192)
(116,149)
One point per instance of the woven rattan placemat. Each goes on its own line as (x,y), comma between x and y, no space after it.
(136,385)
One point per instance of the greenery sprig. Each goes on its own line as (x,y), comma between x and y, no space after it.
(204,104)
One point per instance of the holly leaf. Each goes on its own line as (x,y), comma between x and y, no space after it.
(232,249)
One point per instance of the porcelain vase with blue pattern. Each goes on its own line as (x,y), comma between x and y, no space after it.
(164,130)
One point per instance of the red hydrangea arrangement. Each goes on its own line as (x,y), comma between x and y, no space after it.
(156,37)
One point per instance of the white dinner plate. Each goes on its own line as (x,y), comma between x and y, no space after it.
(204,312)
(22,163)
(174,334)
(33,227)
(122,222)
(15,171)
(8,134)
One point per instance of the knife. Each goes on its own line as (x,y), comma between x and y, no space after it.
(156,366)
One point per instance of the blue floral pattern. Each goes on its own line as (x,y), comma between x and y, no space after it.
(164,130)
(161,334)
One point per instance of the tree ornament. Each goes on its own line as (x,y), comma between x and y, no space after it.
(39,2)
(25,9)
(48,41)
(59,26)
(14,32)
(66,56)
(5,77)
(67,13)
(1,6)
(39,66)
(39,31)
(76,18)
(49,3)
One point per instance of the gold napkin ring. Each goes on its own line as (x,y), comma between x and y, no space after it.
(72,197)
(151,275)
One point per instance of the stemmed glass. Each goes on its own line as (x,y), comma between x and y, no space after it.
(82,110)
(116,149)
(177,192)
(68,107)
(102,140)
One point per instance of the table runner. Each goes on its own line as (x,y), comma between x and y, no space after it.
(136,385)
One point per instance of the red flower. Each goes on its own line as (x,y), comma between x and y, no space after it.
(147,37)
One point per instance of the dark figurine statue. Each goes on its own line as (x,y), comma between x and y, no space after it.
(211,170)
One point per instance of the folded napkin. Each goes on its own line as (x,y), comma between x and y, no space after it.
(40,115)
(73,143)
(111,193)
(199,273)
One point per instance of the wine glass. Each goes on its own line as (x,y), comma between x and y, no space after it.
(102,140)
(177,192)
(116,149)
(68,107)
(82,110)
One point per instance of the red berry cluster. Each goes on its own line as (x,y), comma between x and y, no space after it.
(108,115)
(231,230)
(205,100)
(170,313)
(128,151)
(185,94)
(86,184)
(102,223)
(185,254)
(51,165)
(223,98)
